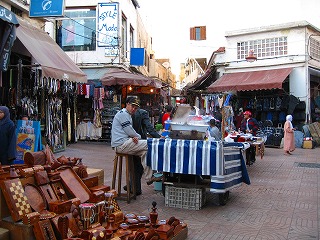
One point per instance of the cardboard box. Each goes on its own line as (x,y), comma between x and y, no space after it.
(308,144)
(96,172)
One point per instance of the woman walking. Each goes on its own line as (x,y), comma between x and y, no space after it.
(288,141)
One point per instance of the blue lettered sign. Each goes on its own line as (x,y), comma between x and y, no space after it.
(108,21)
(46,8)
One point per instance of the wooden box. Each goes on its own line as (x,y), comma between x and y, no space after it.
(60,206)
(91,181)
(103,188)
(96,172)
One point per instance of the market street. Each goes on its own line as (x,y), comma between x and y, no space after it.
(282,201)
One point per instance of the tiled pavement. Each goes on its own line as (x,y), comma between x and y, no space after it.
(282,201)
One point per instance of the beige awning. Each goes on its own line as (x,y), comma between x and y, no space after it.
(55,63)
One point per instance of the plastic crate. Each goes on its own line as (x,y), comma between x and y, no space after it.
(187,198)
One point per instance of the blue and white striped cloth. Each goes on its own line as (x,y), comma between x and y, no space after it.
(222,162)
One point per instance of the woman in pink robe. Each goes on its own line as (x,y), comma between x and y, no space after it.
(289,142)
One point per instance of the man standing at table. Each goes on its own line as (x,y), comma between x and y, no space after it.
(250,125)
(124,139)
(143,126)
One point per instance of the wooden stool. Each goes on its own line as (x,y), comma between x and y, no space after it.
(130,176)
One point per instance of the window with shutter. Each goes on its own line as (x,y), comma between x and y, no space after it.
(198,33)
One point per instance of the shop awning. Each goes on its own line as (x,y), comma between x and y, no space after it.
(55,63)
(121,76)
(203,81)
(248,81)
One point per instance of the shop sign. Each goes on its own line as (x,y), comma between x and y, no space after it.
(8,36)
(137,56)
(46,8)
(8,16)
(108,24)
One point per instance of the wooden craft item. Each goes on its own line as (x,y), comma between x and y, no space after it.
(41,177)
(13,173)
(37,201)
(35,158)
(56,187)
(48,193)
(43,230)
(177,230)
(76,201)
(73,227)
(117,216)
(59,207)
(115,205)
(4,175)
(15,198)
(139,236)
(165,231)
(35,198)
(27,172)
(31,218)
(63,226)
(38,168)
(103,188)
(54,176)
(63,160)
(75,185)
(91,181)
(152,235)
(98,233)
(96,196)
(100,207)
(87,211)
(81,171)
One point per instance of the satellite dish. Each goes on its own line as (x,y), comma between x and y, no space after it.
(166,64)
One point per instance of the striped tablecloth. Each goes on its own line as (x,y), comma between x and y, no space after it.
(222,162)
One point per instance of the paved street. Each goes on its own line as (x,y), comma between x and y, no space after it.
(282,201)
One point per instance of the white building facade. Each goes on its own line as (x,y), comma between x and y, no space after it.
(294,46)
(97,33)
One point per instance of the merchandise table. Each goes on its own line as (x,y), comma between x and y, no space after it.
(222,162)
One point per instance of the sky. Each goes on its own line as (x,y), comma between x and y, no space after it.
(169,21)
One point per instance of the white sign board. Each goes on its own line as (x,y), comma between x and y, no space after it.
(108,24)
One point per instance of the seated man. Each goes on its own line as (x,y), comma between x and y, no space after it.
(124,139)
